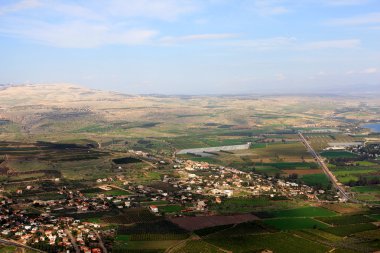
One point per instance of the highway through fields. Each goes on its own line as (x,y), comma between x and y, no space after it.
(325,169)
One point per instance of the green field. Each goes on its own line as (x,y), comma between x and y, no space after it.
(294,223)
(295,150)
(303,212)
(316,180)
(366,163)
(141,246)
(193,246)
(276,242)
(156,237)
(366,189)
(132,216)
(266,169)
(346,220)
(375,216)
(292,165)
(338,154)
(350,229)
(244,205)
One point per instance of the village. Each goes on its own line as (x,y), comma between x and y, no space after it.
(199,184)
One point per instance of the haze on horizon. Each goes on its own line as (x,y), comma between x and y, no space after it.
(193,47)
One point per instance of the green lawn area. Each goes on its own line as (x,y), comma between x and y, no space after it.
(93,220)
(51,196)
(113,192)
(170,208)
(159,202)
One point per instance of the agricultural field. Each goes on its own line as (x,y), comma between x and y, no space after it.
(277,242)
(58,140)
(363,176)
(302,212)
(346,230)
(367,193)
(294,223)
(338,154)
(346,220)
(243,205)
(318,180)
(321,141)
(141,246)
(274,159)
(131,216)
(192,223)
(315,225)
(156,236)
(197,246)
(345,208)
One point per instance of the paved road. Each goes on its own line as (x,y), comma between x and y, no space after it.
(73,241)
(325,169)
(101,244)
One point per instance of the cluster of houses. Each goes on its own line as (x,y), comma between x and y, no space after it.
(203,178)
(46,229)
(197,184)
(369,151)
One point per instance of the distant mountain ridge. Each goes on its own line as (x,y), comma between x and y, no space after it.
(47,94)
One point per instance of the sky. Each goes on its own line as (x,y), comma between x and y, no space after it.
(193,46)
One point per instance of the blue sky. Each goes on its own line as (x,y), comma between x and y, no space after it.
(193,46)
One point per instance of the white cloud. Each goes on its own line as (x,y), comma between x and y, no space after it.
(346,2)
(264,44)
(370,71)
(369,18)
(18,6)
(337,44)
(268,7)
(291,43)
(81,25)
(367,71)
(196,37)
(81,35)
(280,77)
(157,9)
